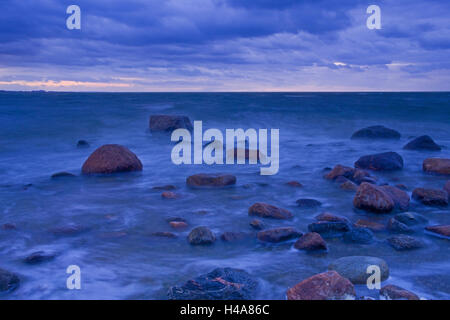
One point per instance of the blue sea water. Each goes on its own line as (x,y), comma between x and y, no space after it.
(118,257)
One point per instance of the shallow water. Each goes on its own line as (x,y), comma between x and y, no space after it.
(38,135)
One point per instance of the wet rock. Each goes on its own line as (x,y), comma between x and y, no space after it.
(410,219)
(62,174)
(373,198)
(374,226)
(8,281)
(233,236)
(329,229)
(9,226)
(422,143)
(201,236)
(82,144)
(39,257)
(178,224)
(310,241)
(339,171)
(278,234)
(397,226)
(294,184)
(326,216)
(431,197)
(68,230)
(400,197)
(348,186)
(392,292)
(220,284)
(386,161)
(111,158)
(169,195)
(211,180)
(257,224)
(437,165)
(308,203)
(376,132)
(265,210)
(442,230)
(166,187)
(323,286)
(175,219)
(404,242)
(163,234)
(342,174)
(169,123)
(359,235)
(354,268)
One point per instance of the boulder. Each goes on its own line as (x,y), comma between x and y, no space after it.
(329,229)
(211,180)
(169,123)
(39,257)
(265,210)
(400,197)
(374,226)
(396,226)
(8,281)
(326,216)
(422,143)
(431,197)
(257,224)
(278,234)
(442,230)
(373,198)
(111,158)
(437,165)
(392,292)
(220,284)
(343,174)
(201,236)
(410,219)
(323,286)
(359,235)
(308,203)
(376,132)
(354,268)
(339,171)
(386,161)
(404,242)
(310,241)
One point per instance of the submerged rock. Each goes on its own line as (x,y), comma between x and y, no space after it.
(392,292)
(376,132)
(437,165)
(400,197)
(431,197)
(211,180)
(82,144)
(9,226)
(326,216)
(359,235)
(323,286)
(410,219)
(39,257)
(386,161)
(396,226)
(442,230)
(278,234)
(201,236)
(8,281)
(68,230)
(343,174)
(373,198)
(374,226)
(354,268)
(329,229)
(308,203)
(348,186)
(230,236)
(310,241)
(163,234)
(169,195)
(422,143)
(294,184)
(166,187)
(265,210)
(220,284)
(169,123)
(257,224)
(62,174)
(404,242)
(178,224)
(111,158)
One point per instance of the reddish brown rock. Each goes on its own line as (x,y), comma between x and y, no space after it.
(348,186)
(326,216)
(323,286)
(374,226)
(386,161)
(437,165)
(278,234)
(178,224)
(443,230)
(169,195)
(310,241)
(294,184)
(257,224)
(265,210)
(210,180)
(339,171)
(391,292)
(168,123)
(400,197)
(431,197)
(111,158)
(373,198)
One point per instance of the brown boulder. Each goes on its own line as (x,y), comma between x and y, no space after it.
(391,292)
(373,198)
(169,123)
(323,286)
(443,230)
(278,234)
(111,158)
(437,165)
(210,180)
(431,197)
(311,241)
(265,210)
(400,197)
(326,216)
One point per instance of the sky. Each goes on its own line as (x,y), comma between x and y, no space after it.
(225,45)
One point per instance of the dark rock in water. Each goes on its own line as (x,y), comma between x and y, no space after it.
(354,268)
(308,203)
(9,226)
(178,224)
(329,229)
(339,171)
(310,241)
(257,224)
(374,226)
(404,242)
(82,144)
(265,210)
(175,219)
(201,236)
(422,143)
(210,180)
(373,198)
(278,234)
(220,284)
(168,187)
(359,235)
(447,188)
(294,184)
(169,195)
(326,216)
(111,158)
(8,281)
(342,174)
(401,187)
(348,186)
(39,257)
(376,132)
(400,197)
(62,175)
(230,236)
(431,197)
(169,123)
(410,219)
(323,286)
(437,165)
(386,161)
(396,226)
(442,230)
(163,234)
(392,292)
(69,230)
